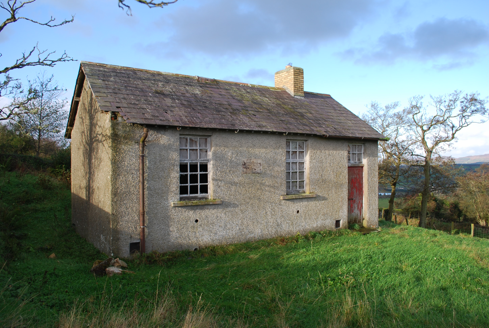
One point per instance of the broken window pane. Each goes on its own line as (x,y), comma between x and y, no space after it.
(194,190)
(183,179)
(204,189)
(194,178)
(193,142)
(203,178)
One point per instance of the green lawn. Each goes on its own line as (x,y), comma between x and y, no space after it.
(400,276)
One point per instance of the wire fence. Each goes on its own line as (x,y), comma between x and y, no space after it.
(453,227)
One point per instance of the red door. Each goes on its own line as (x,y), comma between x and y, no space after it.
(355,194)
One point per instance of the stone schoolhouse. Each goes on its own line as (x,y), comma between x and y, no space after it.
(163,162)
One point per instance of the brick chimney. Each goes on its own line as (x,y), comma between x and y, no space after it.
(291,79)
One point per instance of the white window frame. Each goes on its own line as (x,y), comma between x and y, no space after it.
(355,153)
(295,166)
(194,167)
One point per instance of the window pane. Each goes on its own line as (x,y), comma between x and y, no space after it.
(204,189)
(301,155)
(301,175)
(194,190)
(287,155)
(203,154)
(183,154)
(359,159)
(193,142)
(194,177)
(293,176)
(287,145)
(293,166)
(294,185)
(293,145)
(287,176)
(301,166)
(287,166)
(301,145)
(194,167)
(288,185)
(301,185)
(193,153)
(293,155)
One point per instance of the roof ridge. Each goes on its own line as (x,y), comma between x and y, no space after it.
(195,77)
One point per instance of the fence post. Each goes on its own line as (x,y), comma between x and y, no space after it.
(472,228)
(409,216)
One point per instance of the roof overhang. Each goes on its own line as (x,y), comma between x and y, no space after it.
(75,101)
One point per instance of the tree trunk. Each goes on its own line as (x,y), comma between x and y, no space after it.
(426,192)
(391,202)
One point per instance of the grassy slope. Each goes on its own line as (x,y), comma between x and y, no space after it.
(401,276)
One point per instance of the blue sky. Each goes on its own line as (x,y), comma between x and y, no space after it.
(358,51)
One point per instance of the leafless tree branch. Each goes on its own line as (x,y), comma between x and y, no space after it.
(150,3)
(35,57)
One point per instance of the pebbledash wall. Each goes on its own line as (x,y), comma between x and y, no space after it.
(105,155)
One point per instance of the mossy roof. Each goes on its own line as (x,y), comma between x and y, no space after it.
(156,98)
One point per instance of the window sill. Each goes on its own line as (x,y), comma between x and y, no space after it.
(298,196)
(196,202)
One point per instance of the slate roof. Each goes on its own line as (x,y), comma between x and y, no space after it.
(157,98)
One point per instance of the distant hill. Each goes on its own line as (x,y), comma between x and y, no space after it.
(477,159)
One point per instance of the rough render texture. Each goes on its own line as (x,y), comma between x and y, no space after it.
(292,79)
(370,185)
(91,173)
(251,207)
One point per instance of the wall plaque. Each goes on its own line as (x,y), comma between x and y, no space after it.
(251,166)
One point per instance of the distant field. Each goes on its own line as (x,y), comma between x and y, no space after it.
(383,202)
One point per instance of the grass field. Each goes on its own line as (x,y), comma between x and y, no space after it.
(401,276)
(383,202)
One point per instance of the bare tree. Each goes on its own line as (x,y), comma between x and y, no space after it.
(34,57)
(474,194)
(396,150)
(150,3)
(44,118)
(435,126)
